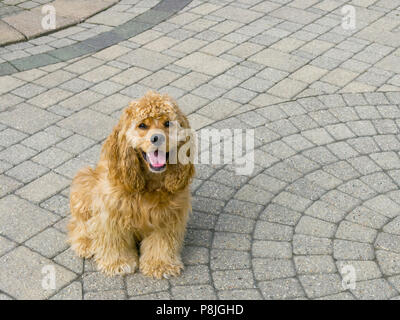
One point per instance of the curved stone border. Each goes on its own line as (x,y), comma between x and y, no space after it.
(131,28)
(26,24)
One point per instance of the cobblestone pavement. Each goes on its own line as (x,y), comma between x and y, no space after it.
(325,106)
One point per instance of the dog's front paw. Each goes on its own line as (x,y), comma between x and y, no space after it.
(82,248)
(118,267)
(161,269)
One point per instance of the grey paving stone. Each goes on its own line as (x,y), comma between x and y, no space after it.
(387,142)
(71,167)
(314,264)
(16,154)
(41,140)
(20,219)
(201,220)
(162,295)
(306,245)
(8,185)
(377,289)
(27,171)
(195,292)
(231,241)
(321,285)
(21,274)
(146,59)
(302,164)
(34,61)
(355,232)
(70,260)
(49,242)
(233,279)
(242,208)
(306,189)
(71,292)
(272,249)
(5,245)
(192,255)
(96,281)
(229,259)
(393,226)
(338,296)
(10,136)
(325,211)
(364,270)
(229,178)
(279,214)
(76,85)
(192,275)
(198,237)
(388,241)
(75,144)
(357,189)
(315,227)
(281,289)
(247,294)
(231,223)
(340,200)
(367,217)
(138,284)
(28,91)
(90,124)
(105,295)
(270,269)
(57,204)
(254,194)
(52,157)
(364,165)
(28,119)
(44,187)
(349,250)
(383,205)
(292,201)
(272,231)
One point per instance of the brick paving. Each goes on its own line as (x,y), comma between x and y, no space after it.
(324,103)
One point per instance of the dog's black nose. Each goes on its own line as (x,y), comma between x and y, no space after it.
(157,139)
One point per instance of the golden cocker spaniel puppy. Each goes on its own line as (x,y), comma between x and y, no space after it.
(136,194)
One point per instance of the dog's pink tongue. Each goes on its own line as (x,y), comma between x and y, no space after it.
(157,158)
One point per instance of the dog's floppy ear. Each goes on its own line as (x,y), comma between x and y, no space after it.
(179,175)
(123,160)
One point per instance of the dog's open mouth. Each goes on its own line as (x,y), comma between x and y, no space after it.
(157,159)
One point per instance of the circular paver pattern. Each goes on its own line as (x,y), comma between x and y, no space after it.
(324,198)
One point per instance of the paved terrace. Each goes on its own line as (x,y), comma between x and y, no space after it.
(325,106)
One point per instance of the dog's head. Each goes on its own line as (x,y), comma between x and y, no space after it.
(146,142)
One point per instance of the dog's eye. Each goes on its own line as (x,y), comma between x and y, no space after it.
(166,124)
(142,126)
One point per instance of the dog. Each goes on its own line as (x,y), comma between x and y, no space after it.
(136,199)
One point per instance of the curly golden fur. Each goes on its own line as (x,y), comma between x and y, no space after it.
(122,206)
